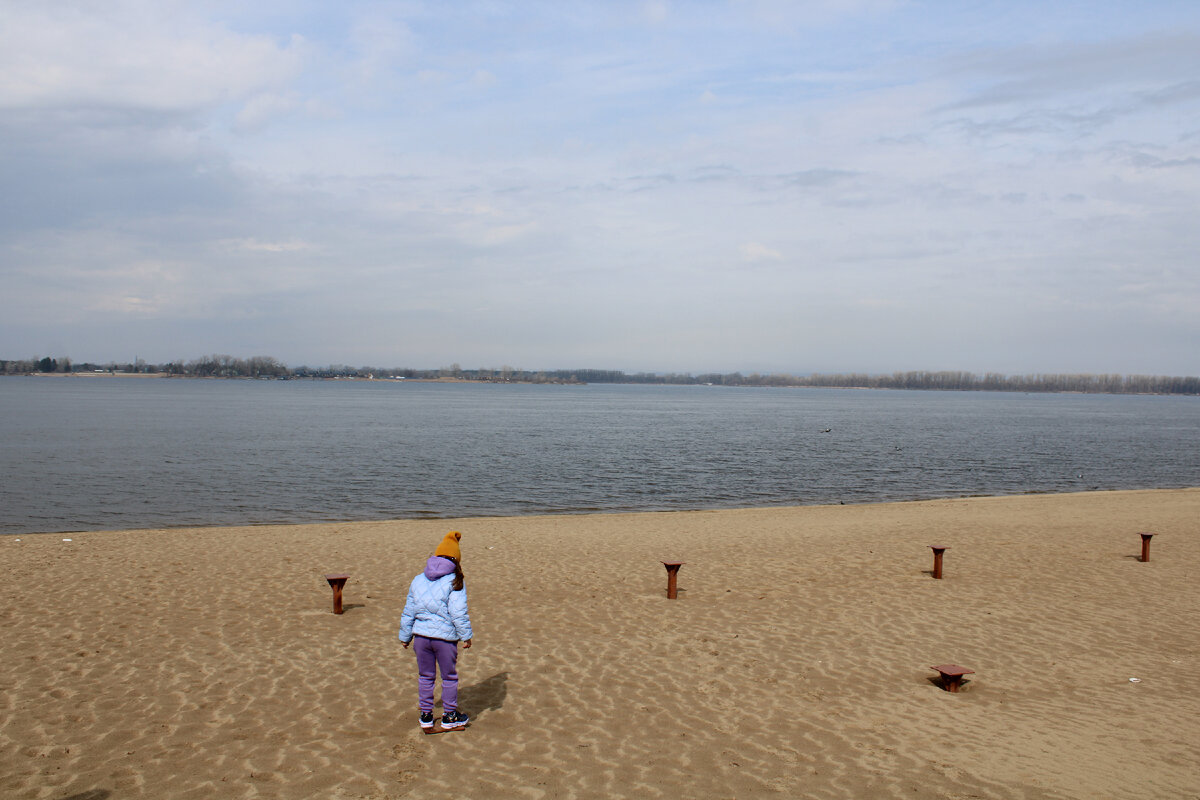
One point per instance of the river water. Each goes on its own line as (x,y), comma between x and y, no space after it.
(115,453)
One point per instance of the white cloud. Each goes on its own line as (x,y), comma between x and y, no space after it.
(256,246)
(753,251)
(657,11)
(381,42)
(814,12)
(133,54)
(505,234)
(262,109)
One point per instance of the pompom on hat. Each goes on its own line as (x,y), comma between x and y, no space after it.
(449,546)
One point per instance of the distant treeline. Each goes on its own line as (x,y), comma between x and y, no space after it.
(944,381)
(266,367)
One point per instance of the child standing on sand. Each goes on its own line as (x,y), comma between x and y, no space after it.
(435,620)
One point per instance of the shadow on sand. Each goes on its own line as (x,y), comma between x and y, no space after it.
(937,681)
(486,695)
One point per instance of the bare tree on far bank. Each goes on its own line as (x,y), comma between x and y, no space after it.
(267,367)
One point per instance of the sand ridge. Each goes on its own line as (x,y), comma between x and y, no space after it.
(207,662)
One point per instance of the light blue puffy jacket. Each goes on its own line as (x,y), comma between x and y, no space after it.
(433,608)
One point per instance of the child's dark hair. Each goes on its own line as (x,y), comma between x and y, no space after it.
(458,577)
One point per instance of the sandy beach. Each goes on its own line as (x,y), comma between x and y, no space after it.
(200,663)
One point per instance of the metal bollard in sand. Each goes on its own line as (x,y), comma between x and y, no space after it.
(672,572)
(337,582)
(952,676)
(937,560)
(1145,545)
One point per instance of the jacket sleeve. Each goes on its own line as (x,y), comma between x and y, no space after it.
(408,617)
(459,615)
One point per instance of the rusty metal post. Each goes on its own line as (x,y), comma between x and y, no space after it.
(937,560)
(952,676)
(337,582)
(1145,545)
(672,572)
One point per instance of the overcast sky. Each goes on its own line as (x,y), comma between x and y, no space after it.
(831,186)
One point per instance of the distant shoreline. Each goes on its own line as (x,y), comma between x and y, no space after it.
(97,375)
(567,382)
(340,379)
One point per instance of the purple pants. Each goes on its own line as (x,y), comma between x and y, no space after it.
(433,655)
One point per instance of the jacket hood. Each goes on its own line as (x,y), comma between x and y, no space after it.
(437,567)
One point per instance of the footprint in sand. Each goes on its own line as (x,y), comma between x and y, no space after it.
(409,761)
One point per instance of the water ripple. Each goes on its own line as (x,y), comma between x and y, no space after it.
(104,454)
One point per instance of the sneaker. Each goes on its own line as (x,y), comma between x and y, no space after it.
(427,721)
(454,719)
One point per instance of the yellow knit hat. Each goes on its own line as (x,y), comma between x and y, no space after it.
(449,546)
